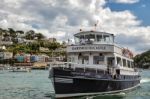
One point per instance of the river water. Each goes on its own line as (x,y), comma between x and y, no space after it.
(37,85)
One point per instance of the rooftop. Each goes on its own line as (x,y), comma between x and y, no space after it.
(92,32)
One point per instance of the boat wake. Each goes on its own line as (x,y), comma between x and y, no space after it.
(121,94)
(145,80)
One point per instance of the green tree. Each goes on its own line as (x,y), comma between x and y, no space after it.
(53,45)
(12,32)
(39,36)
(19,32)
(142,60)
(1,31)
(30,35)
(34,46)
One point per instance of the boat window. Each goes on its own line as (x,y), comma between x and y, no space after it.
(82,38)
(79,39)
(99,38)
(124,63)
(110,61)
(132,65)
(111,38)
(72,59)
(69,59)
(89,39)
(128,63)
(98,59)
(83,59)
(86,59)
(118,61)
(106,38)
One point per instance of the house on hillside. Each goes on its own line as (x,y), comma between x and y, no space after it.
(6,55)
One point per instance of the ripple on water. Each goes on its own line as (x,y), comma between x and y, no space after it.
(145,80)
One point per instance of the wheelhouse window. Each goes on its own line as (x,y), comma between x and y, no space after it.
(85,39)
(98,59)
(111,38)
(89,39)
(79,39)
(99,38)
(106,38)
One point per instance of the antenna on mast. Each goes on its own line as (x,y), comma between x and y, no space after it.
(95,25)
(81,28)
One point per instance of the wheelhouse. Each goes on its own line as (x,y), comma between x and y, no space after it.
(92,37)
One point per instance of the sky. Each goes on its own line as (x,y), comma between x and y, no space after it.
(128,20)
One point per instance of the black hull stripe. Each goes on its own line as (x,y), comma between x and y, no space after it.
(96,93)
(99,79)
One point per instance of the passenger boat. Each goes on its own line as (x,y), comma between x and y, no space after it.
(95,65)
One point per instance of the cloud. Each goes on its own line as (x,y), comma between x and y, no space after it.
(12,20)
(125,1)
(134,40)
(63,18)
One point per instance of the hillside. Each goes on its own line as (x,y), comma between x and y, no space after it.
(17,41)
(142,60)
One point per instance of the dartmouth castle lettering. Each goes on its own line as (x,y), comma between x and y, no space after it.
(89,48)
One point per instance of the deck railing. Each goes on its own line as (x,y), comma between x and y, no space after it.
(104,68)
(76,65)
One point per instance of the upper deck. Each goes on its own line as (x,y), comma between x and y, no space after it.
(93,41)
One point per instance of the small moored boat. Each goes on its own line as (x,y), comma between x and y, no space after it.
(20,69)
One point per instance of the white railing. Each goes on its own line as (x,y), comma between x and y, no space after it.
(104,68)
(76,65)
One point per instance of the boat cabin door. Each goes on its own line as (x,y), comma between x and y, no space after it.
(110,61)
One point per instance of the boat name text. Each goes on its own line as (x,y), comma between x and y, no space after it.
(89,48)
